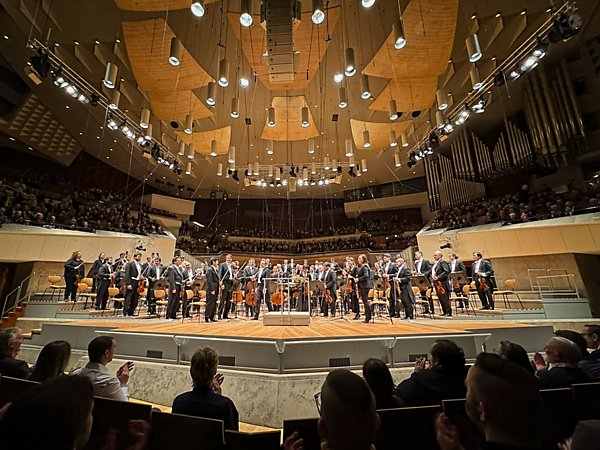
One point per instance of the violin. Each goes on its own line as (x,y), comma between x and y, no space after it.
(483,285)
(439,287)
(141,287)
(251,293)
(328,297)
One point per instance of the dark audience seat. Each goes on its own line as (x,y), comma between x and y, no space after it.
(407,428)
(307,430)
(179,432)
(559,419)
(456,411)
(267,440)
(586,401)
(11,388)
(114,414)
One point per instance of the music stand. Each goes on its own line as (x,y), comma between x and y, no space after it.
(458,277)
(316,285)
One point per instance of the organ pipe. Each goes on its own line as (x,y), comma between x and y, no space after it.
(537,123)
(562,113)
(538,101)
(566,103)
(573,100)
(549,103)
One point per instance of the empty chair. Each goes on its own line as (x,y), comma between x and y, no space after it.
(176,431)
(585,400)
(307,430)
(407,428)
(268,440)
(11,388)
(559,417)
(509,290)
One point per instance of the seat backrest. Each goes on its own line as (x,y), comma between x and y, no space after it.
(112,291)
(307,430)
(82,287)
(114,414)
(189,294)
(466,289)
(268,440)
(470,435)
(176,431)
(54,279)
(586,401)
(159,293)
(510,284)
(88,281)
(11,388)
(407,428)
(416,290)
(559,417)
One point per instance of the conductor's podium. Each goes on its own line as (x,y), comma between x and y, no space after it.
(287,318)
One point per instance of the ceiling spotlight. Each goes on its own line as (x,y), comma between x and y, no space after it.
(148,133)
(349,147)
(393,110)
(198,8)
(366,139)
(342,97)
(334,165)
(72,91)
(305,122)
(313,168)
(223,73)
(565,26)
(393,139)
(83,99)
(514,74)
(191,151)
(115,97)
(350,68)
(439,119)
(351,162)
(338,77)
(397,161)
(213,148)
(231,154)
(463,116)
(311,146)
(59,80)
(365,91)
(363,165)
(404,140)
(479,107)
(176,51)
(398,32)
(144,118)
(246,13)
(256,168)
(529,63)
(244,82)
(448,128)
(473,48)
(110,76)
(318,15)
(271,117)
(269,147)
(188,168)
(189,124)
(220,169)
(112,124)
(440,98)
(235,107)
(540,50)
(181,151)
(475,80)
(211,96)
(128,132)
(326,164)
(367,3)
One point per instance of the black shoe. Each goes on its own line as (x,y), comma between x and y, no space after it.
(485,308)
(255,318)
(366,320)
(356,317)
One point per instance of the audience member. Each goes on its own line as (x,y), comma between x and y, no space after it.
(379,379)
(561,368)
(10,344)
(517,354)
(206,399)
(591,362)
(442,378)
(503,401)
(101,351)
(52,361)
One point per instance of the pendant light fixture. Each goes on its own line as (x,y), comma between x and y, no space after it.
(277,174)
(211,96)
(271,117)
(223,73)
(188,168)
(231,154)
(249,168)
(256,168)
(404,140)
(398,33)
(393,139)
(313,168)
(318,15)
(246,13)
(397,161)
(366,139)
(365,90)
(326,165)
(270,171)
(351,162)
(363,165)
(181,151)
(349,147)
(343,97)
(311,146)
(334,165)
(439,119)
(191,151)
(198,8)
(148,133)
(220,169)
(473,48)
(292,184)
(475,80)
(115,97)
(110,76)
(189,124)
(176,51)
(213,148)
(305,122)
(393,110)
(235,107)
(350,68)
(440,98)
(305,174)
(269,147)
(367,3)
(144,118)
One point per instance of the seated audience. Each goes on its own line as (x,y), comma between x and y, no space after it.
(517,354)
(503,401)
(379,379)
(10,344)
(561,368)
(591,362)
(206,399)
(444,379)
(52,361)
(101,351)
(585,437)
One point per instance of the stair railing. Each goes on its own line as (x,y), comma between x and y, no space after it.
(18,299)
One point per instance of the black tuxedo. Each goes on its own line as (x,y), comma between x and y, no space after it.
(262,291)
(132,275)
(441,270)
(354,294)
(104,275)
(425,269)
(94,273)
(212,291)
(459,267)
(175,278)
(330,281)
(485,267)
(404,290)
(226,275)
(153,274)
(364,285)
(391,269)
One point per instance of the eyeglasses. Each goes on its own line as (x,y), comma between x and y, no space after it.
(318,402)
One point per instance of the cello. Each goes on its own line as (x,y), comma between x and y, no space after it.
(251,292)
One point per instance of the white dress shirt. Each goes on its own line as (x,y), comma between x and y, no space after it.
(105,385)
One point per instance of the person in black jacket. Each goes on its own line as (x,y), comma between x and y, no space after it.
(364,284)
(175,282)
(440,379)
(330,281)
(262,289)
(482,270)
(105,276)
(74,270)
(388,272)
(212,289)
(440,275)
(10,344)
(457,266)
(206,399)
(379,379)
(133,275)
(94,271)
(561,368)
(404,289)
(423,267)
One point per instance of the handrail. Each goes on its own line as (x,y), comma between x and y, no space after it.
(18,297)
(300,255)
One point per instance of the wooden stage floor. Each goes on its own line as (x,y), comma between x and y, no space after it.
(319,327)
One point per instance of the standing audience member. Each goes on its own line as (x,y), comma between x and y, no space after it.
(379,379)
(561,368)
(441,379)
(52,361)
(517,354)
(101,351)
(206,399)
(10,344)
(591,362)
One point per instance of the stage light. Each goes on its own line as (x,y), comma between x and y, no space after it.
(540,50)
(112,124)
(223,73)
(367,3)
(366,139)
(565,26)
(397,161)
(191,151)
(479,107)
(235,107)
(181,151)
(271,117)
(349,147)
(514,74)
(318,15)
(269,147)
(246,13)
(529,63)
(198,8)
(244,82)
(144,118)
(176,52)
(463,116)
(404,140)
(115,97)
(72,91)
(393,110)
(338,77)
(305,122)
(189,124)
(311,146)
(399,36)
(350,68)
(83,98)
(213,148)
(342,97)
(393,139)
(439,119)
(473,48)
(211,96)
(440,97)
(365,90)
(448,128)
(475,80)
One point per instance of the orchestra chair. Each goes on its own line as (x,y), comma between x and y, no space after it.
(307,431)
(381,304)
(143,298)
(114,414)
(407,428)
(465,298)
(585,401)
(420,302)
(120,301)
(54,281)
(161,303)
(87,293)
(266,440)
(199,303)
(82,288)
(112,293)
(11,388)
(180,432)
(558,422)
(470,435)
(509,290)
(190,296)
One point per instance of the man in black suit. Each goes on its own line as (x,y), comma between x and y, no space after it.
(457,266)
(175,282)
(74,268)
(10,344)
(105,276)
(95,269)
(212,289)
(133,275)
(482,270)
(154,273)
(330,281)
(440,274)
(249,272)
(226,274)
(262,289)
(423,267)
(389,270)
(403,288)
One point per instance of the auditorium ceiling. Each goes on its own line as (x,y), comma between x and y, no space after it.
(136,36)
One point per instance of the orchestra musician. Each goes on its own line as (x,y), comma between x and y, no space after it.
(440,275)
(352,271)
(94,270)
(403,286)
(133,275)
(423,267)
(388,272)
(212,289)
(303,290)
(154,273)
(74,270)
(226,276)
(262,288)
(249,271)
(175,282)
(187,275)
(457,266)
(330,281)
(482,273)
(364,284)
(105,276)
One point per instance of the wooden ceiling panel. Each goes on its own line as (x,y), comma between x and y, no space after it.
(155,5)
(202,140)
(175,107)
(308,43)
(288,120)
(379,133)
(411,94)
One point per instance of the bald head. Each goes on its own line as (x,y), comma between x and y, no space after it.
(562,350)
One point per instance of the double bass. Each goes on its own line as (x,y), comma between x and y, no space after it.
(251,292)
